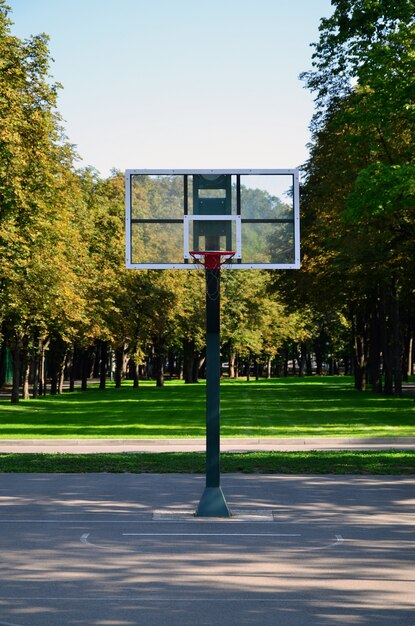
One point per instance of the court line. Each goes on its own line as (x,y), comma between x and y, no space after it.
(85,542)
(143,599)
(211,534)
(338,538)
(195,520)
(332,544)
(76,521)
(160,599)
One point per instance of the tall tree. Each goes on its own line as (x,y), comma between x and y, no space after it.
(363,147)
(37,233)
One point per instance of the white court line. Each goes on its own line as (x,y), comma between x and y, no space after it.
(8,624)
(338,538)
(332,544)
(71,521)
(136,521)
(153,522)
(211,535)
(85,542)
(141,599)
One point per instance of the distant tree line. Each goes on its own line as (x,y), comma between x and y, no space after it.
(69,310)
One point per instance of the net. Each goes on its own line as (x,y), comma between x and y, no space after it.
(211,259)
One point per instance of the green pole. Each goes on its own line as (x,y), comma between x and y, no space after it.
(213,503)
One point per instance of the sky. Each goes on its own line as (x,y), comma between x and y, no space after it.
(151,84)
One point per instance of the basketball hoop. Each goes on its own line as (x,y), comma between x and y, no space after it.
(211,259)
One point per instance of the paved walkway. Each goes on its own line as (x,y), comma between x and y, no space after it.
(88,446)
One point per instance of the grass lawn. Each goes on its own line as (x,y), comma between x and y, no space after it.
(315,462)
(309,407)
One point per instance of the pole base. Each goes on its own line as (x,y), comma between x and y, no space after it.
(213,504)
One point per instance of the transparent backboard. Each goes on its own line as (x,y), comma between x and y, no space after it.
(253,213)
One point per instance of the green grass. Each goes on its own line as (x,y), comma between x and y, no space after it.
(309,407)
(316,462)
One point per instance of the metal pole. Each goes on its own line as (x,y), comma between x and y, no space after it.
(213,503)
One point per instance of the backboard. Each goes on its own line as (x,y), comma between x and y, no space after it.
(171,213)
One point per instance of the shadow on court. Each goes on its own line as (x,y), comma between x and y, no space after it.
(124,549)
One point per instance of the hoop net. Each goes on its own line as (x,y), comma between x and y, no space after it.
(211,259)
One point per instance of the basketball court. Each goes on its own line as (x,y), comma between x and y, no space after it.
(126,549)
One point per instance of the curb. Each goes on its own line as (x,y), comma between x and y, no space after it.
(105,446)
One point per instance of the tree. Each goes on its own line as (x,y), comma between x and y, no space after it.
(38,240)
(363,147)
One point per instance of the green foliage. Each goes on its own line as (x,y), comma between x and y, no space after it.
(385,192)
(355,42)
(62,276)
(39,241)
(358,199)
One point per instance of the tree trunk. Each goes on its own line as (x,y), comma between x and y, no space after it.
(277,366)
(308,365)
(359,330)
(16,363)
(189,361)
(231,362)
(103,364)
(35,375)
(409,357)
(42,368)
(26,373)
(319,361)
(85,368)
(396,340)
(119,363)
(248,368)
(3,356)
(360,363)
(375,377)
(286,359)
(57,351)
(171,364)
(96,360)
(236,365)
(61,372)
(302,360)
(159,363)
(180,367)
(136,375)
(385,339)
(71,365)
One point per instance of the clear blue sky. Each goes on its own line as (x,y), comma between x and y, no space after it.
(180,83)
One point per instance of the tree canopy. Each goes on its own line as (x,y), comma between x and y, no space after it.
(68,306)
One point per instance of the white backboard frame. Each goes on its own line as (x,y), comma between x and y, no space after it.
(213,218)
(191,266)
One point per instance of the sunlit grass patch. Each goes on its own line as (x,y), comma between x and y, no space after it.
(309,407)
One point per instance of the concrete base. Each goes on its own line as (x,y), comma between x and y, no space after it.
(213,504)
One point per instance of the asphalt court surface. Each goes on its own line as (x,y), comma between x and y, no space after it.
(125,549)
